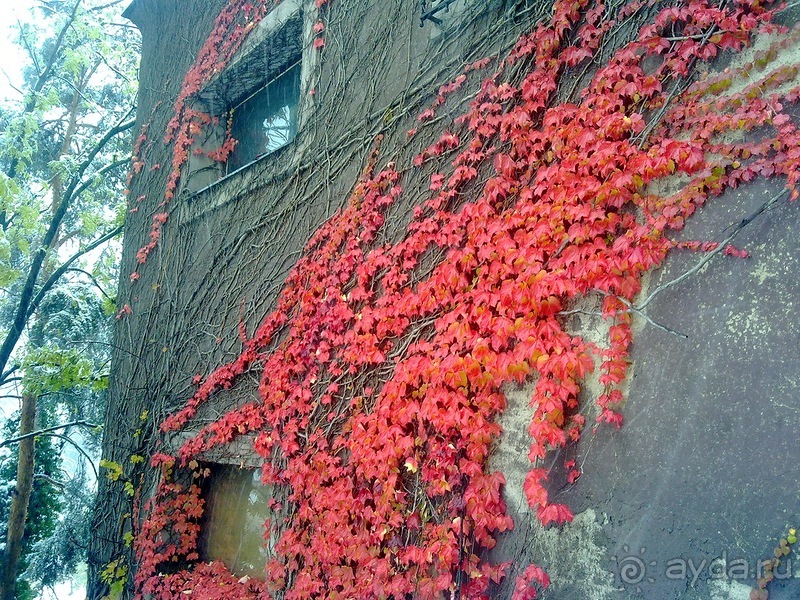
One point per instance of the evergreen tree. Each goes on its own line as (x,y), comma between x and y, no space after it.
(44,505)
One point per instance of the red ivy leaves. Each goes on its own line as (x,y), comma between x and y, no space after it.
(554,513)
(525,588)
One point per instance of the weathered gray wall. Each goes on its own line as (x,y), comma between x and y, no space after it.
(707,462)
(225,252)
(170,43)
(705,468)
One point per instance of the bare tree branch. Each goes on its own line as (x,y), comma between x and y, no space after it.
(107,5)
(49,480)
(639,308)
(8,373)
(102,171)
(75,445)
(655,324)
(94,281)
(707,258)
(19,438)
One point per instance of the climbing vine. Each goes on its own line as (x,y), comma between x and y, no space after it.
(384,362)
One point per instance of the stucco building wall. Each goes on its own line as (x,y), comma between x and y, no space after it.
(705,466)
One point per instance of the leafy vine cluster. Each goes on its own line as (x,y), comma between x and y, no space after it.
(383,363)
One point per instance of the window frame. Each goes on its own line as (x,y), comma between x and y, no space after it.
(216,99)
(293,120)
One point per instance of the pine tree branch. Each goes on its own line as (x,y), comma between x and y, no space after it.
(65,266)
(76,185)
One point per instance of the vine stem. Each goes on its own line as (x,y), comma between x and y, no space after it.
(707,258)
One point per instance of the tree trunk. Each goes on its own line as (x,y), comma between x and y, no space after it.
(19,503)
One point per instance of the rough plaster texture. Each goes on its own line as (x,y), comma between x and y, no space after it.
(701,482)
(706,466)
(702,479)
(225,251)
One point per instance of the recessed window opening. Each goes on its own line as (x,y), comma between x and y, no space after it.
(255,100)
(237,505)
(266,120)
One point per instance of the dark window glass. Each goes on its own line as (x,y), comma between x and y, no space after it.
(237,504)
(267,120)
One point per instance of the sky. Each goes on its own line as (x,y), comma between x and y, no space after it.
(12,58)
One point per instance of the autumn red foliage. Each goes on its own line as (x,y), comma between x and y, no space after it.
(382,382)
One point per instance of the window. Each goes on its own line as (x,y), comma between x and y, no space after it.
(267,120)
(237,505)
(256,98)
(448,16)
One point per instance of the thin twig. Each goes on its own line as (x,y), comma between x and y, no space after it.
(656,324)
(75,445)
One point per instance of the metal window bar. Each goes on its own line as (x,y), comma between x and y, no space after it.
(429,14)
(278,76)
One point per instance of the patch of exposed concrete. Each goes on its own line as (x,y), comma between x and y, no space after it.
(726,589)
(576,557)
(575,554)
(705,468)
(588,323)
(510,456)
(701,482)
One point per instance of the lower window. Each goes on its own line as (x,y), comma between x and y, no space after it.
(237,505)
